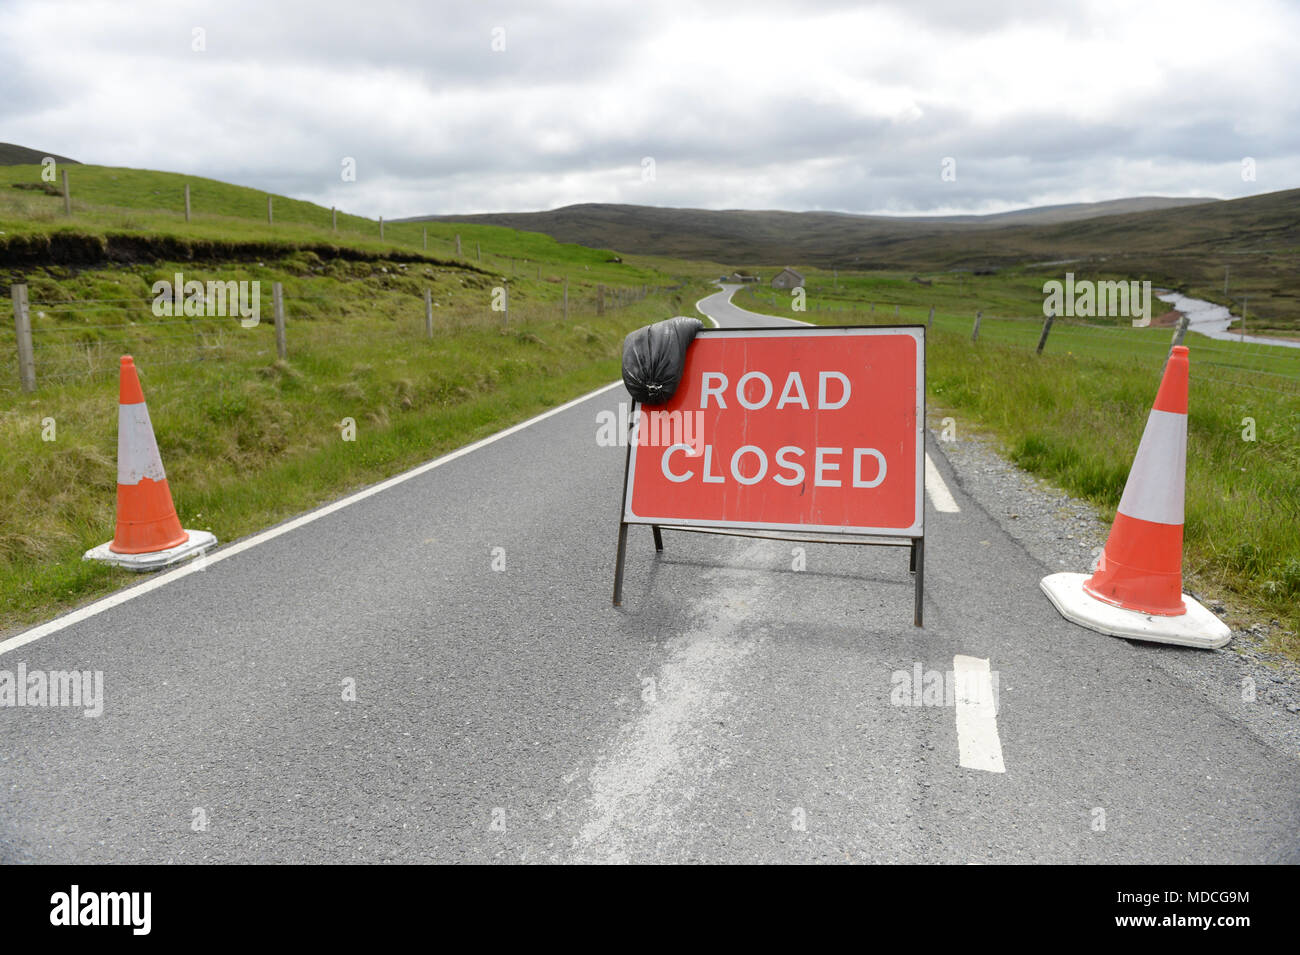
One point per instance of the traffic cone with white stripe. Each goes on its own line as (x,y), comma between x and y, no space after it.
(1137,589)
(149,535)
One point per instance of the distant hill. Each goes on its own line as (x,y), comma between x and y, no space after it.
(12,155)
(777,237)
(1075,211)
(1173,243)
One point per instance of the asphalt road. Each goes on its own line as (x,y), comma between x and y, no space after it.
(734,709)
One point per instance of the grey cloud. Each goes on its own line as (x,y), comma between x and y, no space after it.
(437,122)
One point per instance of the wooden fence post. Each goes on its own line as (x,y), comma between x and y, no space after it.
(23,329)
(505,300)
(929,321)
(381,227)
(428,312)
(187,202)
(270,216)
(67,195)
(334,218)
(1179,331)
(277,299)
(1047,327)
(426,241)
(975,332)
(478,249)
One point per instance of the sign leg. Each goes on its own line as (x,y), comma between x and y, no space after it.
(618,564)
(918,559)
(659,538)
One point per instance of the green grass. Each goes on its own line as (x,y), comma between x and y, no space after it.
(1075,414)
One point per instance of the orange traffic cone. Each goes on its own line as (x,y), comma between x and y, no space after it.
(149,534)
(1141,566)
(1137,588)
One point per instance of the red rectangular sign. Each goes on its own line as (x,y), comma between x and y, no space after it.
(808,429)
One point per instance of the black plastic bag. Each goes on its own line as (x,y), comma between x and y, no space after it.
(653,358)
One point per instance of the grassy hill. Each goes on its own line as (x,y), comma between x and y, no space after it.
(1075,211)
(772,236)
(134,214)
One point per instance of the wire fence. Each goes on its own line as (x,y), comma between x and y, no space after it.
(68,341)
(51,343)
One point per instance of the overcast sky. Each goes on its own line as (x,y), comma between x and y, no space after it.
(473,106)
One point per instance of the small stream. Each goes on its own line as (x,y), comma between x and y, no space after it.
(1214,321)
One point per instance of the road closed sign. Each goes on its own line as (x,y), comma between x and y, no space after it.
(787,429)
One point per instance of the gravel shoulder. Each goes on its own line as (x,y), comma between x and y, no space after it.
(1065,533)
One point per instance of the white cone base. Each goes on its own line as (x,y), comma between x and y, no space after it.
(1197,628)
(199,542)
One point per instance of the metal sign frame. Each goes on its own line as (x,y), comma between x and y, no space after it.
(912,537)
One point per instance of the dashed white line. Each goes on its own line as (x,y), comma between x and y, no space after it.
(978,744)
(940,496)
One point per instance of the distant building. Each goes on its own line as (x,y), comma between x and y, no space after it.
(743,277)
(787,278)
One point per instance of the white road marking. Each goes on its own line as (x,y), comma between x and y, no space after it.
(139,590)
(706,314)
(940,496)
(976,702)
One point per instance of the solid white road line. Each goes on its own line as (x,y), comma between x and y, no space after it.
(940,496)
(978,744)
(706,314)
(139,590)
